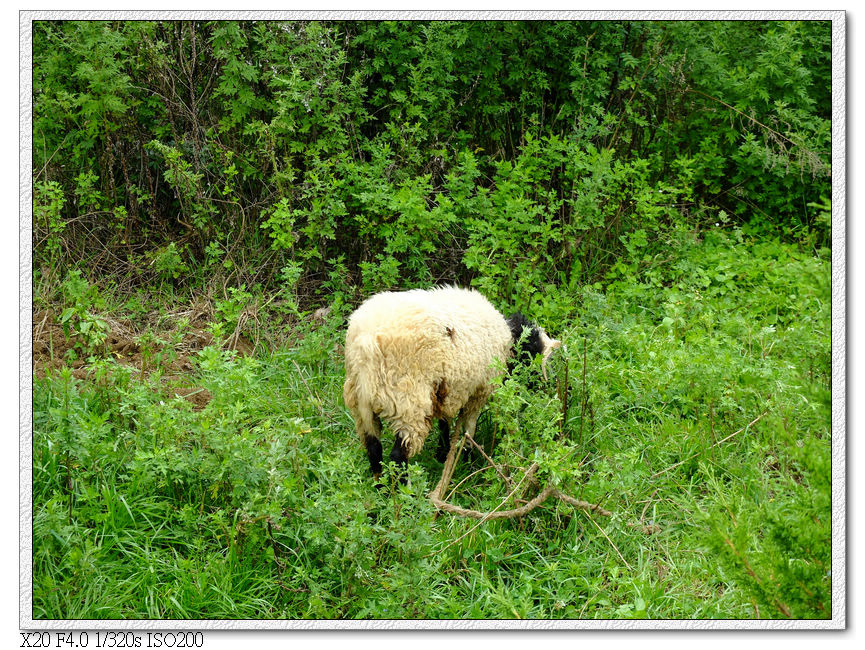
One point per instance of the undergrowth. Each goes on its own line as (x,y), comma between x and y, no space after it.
(258,504)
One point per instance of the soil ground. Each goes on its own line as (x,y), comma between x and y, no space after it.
(167,349)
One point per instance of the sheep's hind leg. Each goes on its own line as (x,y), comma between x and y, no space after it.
(373,452)
(444,440)
(373,448)
(399,455)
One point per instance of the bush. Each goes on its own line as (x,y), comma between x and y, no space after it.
(425,152)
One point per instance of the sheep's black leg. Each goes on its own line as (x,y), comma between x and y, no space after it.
(373,452)
(444,440)
(399,455)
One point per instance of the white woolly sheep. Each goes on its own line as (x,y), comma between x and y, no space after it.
(415,356)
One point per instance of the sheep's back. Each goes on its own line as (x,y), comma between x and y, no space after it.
(415,340)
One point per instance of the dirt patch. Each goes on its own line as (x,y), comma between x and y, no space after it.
(154,343)
(51,347)
(197,396)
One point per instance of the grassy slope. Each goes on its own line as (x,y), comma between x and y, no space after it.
(258,504)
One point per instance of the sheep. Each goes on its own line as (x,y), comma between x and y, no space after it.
(416,356)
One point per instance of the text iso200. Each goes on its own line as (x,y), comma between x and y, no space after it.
(175,639)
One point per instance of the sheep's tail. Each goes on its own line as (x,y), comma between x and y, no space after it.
(363,363)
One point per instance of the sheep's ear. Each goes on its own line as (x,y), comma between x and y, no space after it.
(548,346)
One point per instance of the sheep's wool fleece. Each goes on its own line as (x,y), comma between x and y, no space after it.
(417,355)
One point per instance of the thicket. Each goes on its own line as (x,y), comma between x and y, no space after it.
(654,193)
(349,157)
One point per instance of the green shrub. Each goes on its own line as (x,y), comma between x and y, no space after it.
(88,330)
(515,155)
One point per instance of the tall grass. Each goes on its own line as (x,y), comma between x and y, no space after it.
(259,505)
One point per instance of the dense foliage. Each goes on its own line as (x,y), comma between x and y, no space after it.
(654,193)
(372,155)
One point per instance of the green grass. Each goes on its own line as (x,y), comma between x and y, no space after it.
(259,505)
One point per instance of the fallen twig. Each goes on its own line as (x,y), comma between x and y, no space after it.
(442,504)
(492,515)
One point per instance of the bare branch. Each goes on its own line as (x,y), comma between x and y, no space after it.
(546,493)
